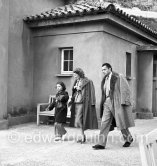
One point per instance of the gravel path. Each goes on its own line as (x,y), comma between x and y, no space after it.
(31,145)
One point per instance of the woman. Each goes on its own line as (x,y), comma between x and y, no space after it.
(60,104)
(83,104)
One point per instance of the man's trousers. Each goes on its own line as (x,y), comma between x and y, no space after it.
(108,114)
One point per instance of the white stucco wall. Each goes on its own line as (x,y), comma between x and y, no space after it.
(20,62)
(4,21)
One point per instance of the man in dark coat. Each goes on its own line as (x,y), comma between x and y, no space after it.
(115,107)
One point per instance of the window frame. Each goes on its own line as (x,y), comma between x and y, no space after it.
(128,59)
(155,65)
(62,60)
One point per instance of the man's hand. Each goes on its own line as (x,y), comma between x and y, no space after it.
(70,103)
(54,99)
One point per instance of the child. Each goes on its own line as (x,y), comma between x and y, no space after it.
(60,104)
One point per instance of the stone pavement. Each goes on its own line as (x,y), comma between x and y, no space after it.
(32,145)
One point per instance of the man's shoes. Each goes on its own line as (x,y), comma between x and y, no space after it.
(127,144)
(65,137)
(57,139)
(98,147)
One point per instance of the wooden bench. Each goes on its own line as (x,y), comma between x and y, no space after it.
(148,149)
(42,106)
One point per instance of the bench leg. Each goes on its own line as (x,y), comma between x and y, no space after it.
(38,119)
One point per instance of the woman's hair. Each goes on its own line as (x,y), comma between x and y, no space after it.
(80,72)
(62,84)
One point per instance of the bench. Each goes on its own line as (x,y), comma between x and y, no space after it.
(42,106)
(148,149)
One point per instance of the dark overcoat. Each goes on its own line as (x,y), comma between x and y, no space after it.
(60,104)
(121,99)
(89,101)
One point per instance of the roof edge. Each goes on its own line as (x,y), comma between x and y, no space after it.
(76,11)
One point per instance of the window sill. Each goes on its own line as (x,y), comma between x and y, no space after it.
(64,75)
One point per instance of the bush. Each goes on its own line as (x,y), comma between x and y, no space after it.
(5,116)
(22,111)
(33,110)
(13,111)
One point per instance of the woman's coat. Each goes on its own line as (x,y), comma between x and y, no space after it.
(89,110)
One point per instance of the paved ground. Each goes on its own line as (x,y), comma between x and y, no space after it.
(30,145)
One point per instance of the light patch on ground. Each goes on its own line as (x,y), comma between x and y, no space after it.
(69,153)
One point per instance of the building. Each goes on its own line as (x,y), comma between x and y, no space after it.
(86,35)
(82,35)
(16,69)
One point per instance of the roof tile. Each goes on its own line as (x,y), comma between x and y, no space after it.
(86,8)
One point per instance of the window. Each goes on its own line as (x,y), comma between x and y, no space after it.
(155,66)
(154,69)
(66,60)
(128,64)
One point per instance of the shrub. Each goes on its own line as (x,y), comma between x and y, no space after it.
(22,111)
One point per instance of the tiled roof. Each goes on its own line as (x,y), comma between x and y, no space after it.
(86,8)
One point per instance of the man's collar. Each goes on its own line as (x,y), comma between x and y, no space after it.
(108,75)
